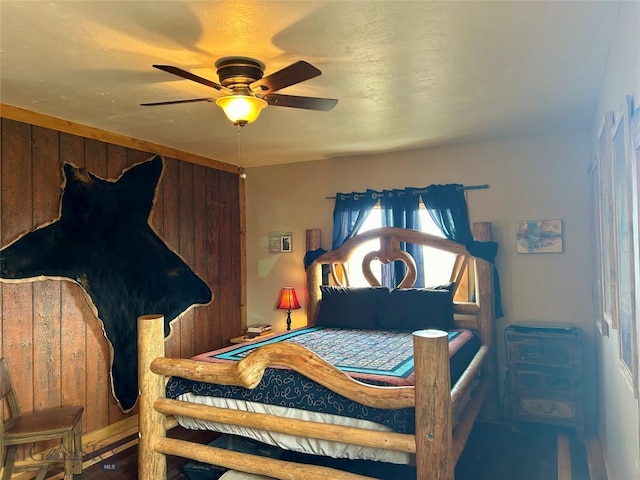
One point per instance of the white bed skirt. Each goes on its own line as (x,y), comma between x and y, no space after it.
(235,475)
(291,442)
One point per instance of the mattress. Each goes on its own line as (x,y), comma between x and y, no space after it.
(292,442)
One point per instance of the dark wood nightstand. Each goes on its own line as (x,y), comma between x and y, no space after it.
(546,374)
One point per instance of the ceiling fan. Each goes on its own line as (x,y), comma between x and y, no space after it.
(243,91)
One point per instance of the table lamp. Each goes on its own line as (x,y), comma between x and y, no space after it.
(288,301)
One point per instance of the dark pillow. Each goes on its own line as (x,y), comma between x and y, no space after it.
(418,309)
(447,286)
(350,307)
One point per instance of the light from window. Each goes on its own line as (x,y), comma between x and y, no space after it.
(438,264)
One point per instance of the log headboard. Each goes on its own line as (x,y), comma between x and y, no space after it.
(477,313)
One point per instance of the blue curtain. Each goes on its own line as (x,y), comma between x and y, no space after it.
(447,206)
(400,208)
(350,212)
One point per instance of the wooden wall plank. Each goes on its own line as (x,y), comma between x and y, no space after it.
(186,242)
(170,201)
(237,272)
(46,293)
(74,309)
(225,229)
(241,215)
(213,263)
(17,301)
(138,156)
(98,348)
(117,161)
(157,214)
(201,257)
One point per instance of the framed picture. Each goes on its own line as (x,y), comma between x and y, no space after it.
(280,242)
(605,217)
(623,156)
(285,244)
(539,236)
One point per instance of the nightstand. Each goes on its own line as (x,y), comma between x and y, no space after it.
(546,374)
(245,338)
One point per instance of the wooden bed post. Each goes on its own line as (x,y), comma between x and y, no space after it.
(151,424)
(486,319)
(314,276)
(434,435)
(485,298)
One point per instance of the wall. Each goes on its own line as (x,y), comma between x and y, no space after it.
(619,418)
(531,178)
(52,340)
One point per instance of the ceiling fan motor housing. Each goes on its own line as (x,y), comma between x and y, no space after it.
(239,71)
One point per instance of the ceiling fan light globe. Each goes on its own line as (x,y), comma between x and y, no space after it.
(241,109)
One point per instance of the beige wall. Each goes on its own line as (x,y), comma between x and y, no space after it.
(619,421)
(537,178)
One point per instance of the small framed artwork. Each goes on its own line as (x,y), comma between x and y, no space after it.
(539,236)
(285,244)
(280,242)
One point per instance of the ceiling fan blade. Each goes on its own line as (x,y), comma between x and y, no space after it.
(309,103)
(190,76)
(294,73)
(173,102)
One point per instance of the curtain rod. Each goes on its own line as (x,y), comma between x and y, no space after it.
(464,187)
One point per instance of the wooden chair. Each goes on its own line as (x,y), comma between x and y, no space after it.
(64,423)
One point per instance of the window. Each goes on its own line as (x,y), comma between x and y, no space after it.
(438,264)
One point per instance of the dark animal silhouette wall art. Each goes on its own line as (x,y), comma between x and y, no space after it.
(104,241)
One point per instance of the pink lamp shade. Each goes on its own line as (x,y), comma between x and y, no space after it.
(288,301)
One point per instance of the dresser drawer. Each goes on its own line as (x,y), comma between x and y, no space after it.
(547,354)
(541,381)
(546,408)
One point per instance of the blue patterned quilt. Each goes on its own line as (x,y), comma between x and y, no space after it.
(377,357)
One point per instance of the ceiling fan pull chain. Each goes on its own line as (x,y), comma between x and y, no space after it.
(239,139)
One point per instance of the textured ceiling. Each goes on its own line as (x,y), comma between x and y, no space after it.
(407,74)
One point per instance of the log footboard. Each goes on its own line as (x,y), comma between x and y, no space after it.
(435,444)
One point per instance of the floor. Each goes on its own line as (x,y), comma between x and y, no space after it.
(523,452)
(493,452)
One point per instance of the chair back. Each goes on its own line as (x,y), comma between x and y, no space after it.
(6,389)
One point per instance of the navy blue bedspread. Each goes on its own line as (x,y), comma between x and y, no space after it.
(290,389)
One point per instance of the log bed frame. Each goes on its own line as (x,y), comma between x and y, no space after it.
(437,444)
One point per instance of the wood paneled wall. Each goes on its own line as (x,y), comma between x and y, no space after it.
(54,343)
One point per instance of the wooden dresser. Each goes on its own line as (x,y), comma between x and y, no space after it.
(546,374)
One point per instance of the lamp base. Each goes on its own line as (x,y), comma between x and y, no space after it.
(288,319)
